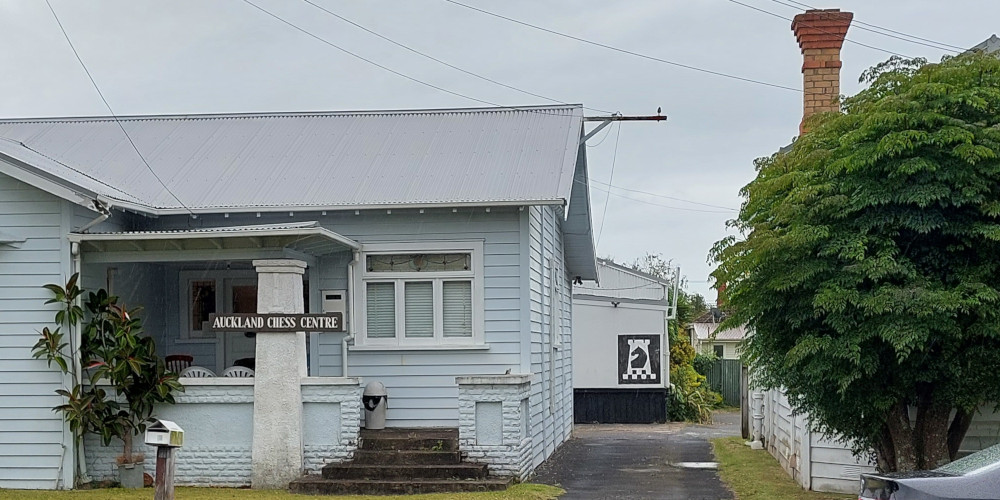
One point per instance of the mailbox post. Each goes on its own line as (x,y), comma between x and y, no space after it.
(166,436)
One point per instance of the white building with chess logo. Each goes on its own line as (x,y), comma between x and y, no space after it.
(620,363)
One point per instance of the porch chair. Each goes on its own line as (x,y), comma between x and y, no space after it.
(197,372)
(178,362)
(237,371)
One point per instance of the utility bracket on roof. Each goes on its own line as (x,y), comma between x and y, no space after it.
(617,117)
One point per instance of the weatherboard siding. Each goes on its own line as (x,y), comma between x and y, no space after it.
(551,399)
(32,436)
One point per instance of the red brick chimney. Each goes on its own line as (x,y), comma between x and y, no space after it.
(820,34)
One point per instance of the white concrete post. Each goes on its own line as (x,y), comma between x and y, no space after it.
(280,367)
(757,424)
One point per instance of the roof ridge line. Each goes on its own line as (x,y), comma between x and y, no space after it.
(287,114)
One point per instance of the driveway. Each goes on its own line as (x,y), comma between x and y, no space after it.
(655,461)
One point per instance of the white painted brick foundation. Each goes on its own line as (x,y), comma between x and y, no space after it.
(328,440)
(217,418)
(505,450)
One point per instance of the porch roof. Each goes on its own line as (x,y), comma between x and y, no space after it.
(306,237)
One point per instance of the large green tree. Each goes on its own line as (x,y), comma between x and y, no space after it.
(869,263)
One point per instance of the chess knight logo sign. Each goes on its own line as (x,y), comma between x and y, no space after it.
(639,359)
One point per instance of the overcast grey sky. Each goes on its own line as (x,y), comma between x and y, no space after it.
(200,56)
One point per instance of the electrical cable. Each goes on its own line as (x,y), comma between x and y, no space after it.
(779,16)
(875,26)
(591,186)
(625,51)
(611,177)
(386,68)
(606,134)
(665,196)
(439,61)
(107,105)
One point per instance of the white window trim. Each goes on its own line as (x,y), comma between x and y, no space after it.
(475,274)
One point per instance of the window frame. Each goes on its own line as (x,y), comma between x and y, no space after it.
(187,279)
(475,275)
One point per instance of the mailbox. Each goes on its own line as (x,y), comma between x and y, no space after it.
(164,433)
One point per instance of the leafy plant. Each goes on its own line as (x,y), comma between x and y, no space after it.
(703,362)
(112,352)
(868,266)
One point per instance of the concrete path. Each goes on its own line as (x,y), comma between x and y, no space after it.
(658,461)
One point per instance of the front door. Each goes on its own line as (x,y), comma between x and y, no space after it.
(241,297)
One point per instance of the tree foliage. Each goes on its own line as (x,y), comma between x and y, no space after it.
(869,269)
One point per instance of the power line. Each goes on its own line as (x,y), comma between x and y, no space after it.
(383,67)
(439,61)
(953,48)
(612,193)
(665,196)
(625,51)
(614,159)
(111,111)
(779,16)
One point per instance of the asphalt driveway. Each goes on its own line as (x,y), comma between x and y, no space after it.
(656,461)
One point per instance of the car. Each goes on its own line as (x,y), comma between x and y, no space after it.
(974,477)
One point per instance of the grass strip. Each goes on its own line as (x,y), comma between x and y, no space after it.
(525,491)
(756,475)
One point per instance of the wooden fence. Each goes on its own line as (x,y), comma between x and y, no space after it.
(724,378)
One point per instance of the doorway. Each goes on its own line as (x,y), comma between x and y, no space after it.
(241,298)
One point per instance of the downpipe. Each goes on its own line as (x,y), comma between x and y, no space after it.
(351,292)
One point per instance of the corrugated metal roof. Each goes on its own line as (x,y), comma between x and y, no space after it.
(310,160)
(990,45)
(703,331)
(309,237)
(616,281)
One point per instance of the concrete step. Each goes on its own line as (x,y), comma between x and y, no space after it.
(400,472)
(314,485)
(412,432)
(407,457)
(428,439)
(405,443)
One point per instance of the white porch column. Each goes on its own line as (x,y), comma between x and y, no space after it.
(280,367)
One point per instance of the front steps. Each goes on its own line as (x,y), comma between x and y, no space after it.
(402,462)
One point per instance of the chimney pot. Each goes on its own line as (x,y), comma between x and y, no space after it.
(820,34)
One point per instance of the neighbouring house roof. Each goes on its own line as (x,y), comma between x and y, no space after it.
(706,327)
(316,160)
(990,45)
(619,282)
(709,331)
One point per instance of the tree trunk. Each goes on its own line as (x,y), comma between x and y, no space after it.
(127,451)
(931,433)
(885,455)
(901,434)
(956,431)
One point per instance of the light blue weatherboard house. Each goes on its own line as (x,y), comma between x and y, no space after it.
(449,239)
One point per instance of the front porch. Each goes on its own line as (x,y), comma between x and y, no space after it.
(284,421)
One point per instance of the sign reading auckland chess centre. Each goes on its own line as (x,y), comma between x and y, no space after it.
(271,323)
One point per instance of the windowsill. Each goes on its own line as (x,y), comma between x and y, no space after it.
(472,347)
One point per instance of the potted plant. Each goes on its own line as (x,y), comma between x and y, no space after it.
(113,354)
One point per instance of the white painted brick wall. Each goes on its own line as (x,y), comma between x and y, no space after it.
(512,458)
(226,461)
(315,456)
